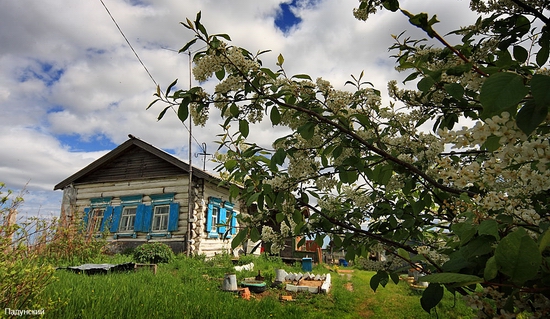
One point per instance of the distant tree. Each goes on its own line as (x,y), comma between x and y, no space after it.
(471,204)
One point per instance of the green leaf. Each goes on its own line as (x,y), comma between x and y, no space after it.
(403,254)
(234,110)
(431,297)
(301,76)
(188,45)
(302,242)
(540,85)
(220,74)
(297,216)
(374,282)
(279,217)
(455,90)
(394,277)
(500,92)
(170,87)
(449,278)
(534,111)
(531,116)
(234,191)
(223,35)
(279,157)
(243,128)
(255,234)
(488,227)
(230,164)
(459,70)
(518,256)
(161,114)
(392,5)
(425,84)
(491,269)
(492,143)
(542,55)
(464,231)
(275,116)
(280,60)
(520,54)
(183,109)
(239,238)
(479,246)
(319,240)
(307,130)
(544,241)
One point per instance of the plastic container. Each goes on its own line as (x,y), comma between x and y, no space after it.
(307,264)
(343,262)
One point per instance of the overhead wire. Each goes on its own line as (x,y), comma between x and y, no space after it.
(141,61)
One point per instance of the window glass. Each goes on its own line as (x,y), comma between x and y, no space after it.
(128,218)
(160,218)
(214,219)
(96,218)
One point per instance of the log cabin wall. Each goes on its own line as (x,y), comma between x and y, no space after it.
(146,187)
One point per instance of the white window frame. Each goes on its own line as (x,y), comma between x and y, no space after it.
(215,222)
(127,219)
(161,217)
(95,219)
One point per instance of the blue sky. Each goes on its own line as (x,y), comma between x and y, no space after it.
(71,89)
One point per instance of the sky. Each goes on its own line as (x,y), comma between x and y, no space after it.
(71,89)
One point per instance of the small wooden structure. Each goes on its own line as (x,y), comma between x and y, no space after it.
(138,193)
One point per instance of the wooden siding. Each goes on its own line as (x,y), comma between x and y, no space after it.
(134,163)
(177,185)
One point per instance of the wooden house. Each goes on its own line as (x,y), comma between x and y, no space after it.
(138,193)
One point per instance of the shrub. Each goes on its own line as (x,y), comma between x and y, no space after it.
(23,275)
(153,253)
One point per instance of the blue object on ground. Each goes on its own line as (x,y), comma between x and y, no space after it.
(307,264)
(343,262)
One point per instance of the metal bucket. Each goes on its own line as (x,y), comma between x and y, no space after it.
(229,282)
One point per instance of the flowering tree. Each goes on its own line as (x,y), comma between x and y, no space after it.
(470,204)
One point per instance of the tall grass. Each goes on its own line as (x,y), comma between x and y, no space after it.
(190,288)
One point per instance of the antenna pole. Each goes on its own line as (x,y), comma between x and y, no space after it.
(191,200)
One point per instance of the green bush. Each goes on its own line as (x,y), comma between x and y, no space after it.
(23,275)
(153,253)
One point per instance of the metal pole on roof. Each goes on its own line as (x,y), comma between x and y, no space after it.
(190,200)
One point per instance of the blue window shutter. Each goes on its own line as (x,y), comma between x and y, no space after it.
(117,212)
(174,216)
(106,218)
(86,216)
(140,215)
(147,218)
(209,218)
(222,219)
(233,223)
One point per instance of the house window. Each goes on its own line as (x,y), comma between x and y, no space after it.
(98,214)
(220,219)
(127,219)
(95,220)
(132,216)
(214,219)
(160,218)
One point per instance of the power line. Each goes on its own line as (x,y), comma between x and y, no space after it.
(129,44)
(143,64)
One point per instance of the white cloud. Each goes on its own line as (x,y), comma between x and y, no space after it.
(66,69)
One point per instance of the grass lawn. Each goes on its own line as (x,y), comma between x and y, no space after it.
(190,288)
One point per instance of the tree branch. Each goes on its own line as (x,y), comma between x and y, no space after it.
(532,10)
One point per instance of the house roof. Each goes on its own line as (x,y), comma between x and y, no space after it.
(131,145)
